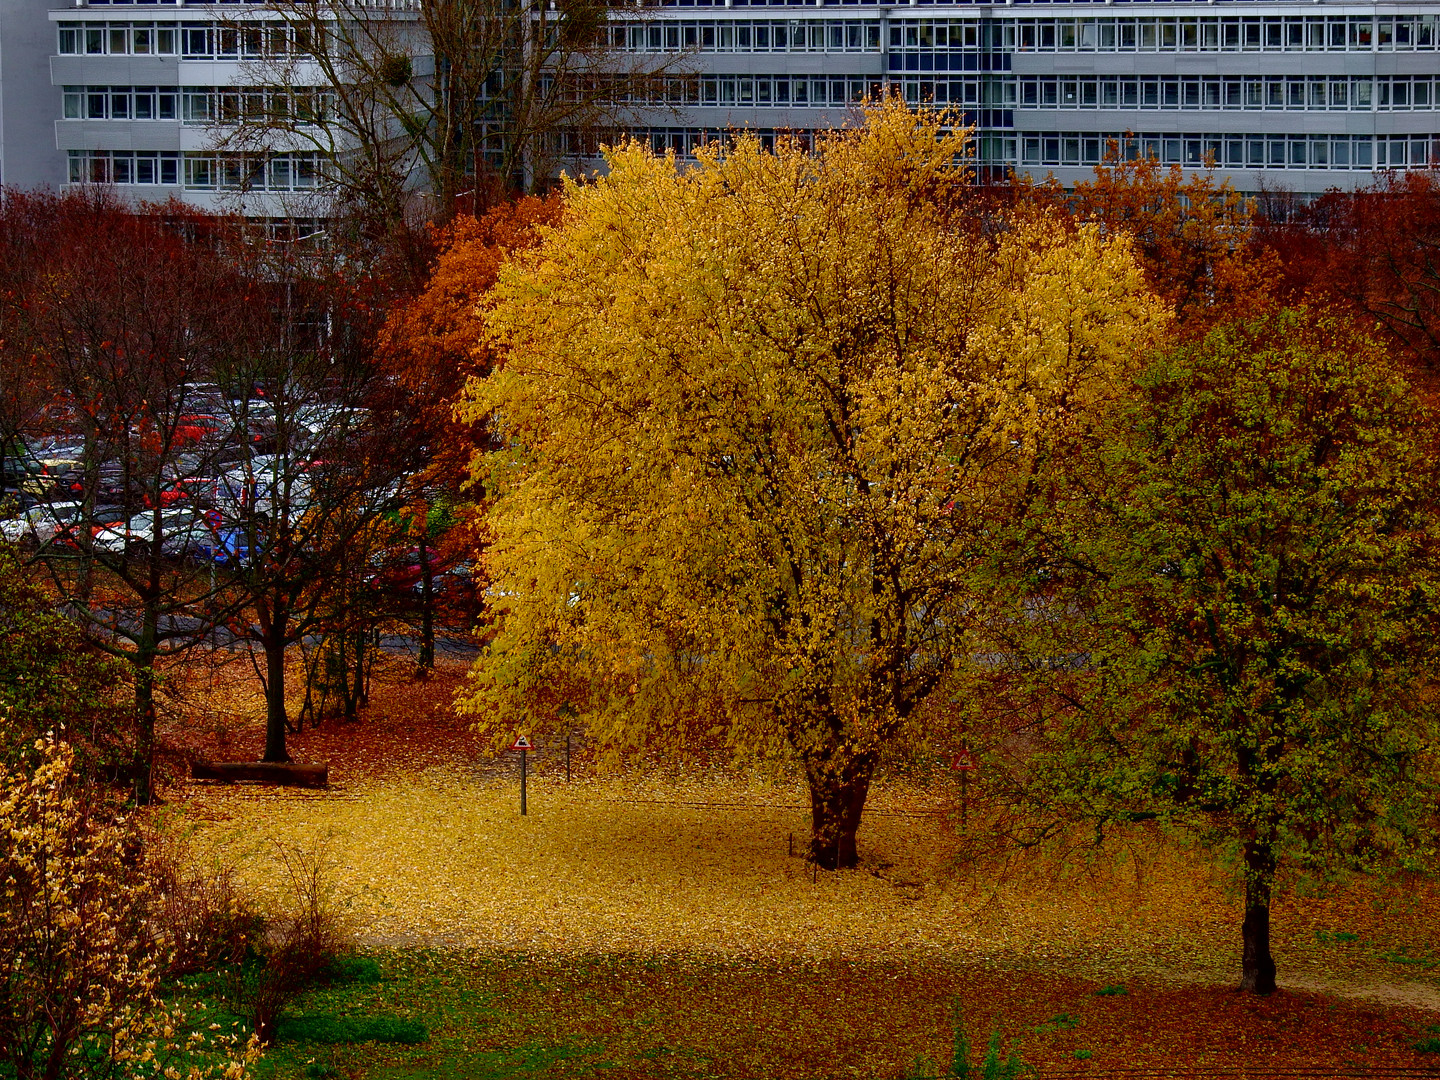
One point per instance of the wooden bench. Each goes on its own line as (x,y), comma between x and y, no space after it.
(262,772)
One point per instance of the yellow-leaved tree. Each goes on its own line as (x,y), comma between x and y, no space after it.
(760,417)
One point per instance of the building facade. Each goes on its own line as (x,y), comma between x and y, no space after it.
(1296,95)
(1282,94)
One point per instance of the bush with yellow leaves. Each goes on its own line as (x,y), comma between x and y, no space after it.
(79,954)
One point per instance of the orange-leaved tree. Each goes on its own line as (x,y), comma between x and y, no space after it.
(1191,234)
(431,345)
(1375,250)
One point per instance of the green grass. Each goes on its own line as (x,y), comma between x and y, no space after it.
(410,1015)
(1401,955)
(351,968)
(1058,1022)
(324,1028)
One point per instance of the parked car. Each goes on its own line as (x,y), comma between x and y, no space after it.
(183,531)
(39,522)
(229,547)
(54,475)
(68,534)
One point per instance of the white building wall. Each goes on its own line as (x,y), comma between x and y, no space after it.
(1292,94)
(28,101)
(1300,95)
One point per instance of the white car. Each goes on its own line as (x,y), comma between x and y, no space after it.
(182,530)
(39,523)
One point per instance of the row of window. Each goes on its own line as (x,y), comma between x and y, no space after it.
(866,3)
(1052,92)
(384,5)
(193,41)
(805,91)
(1273,33)
(1232,151)
(748,35)
(1356,33)
(1256,34)
(196,105)
(1273,92)
(1053,149)
(234,104)
(120,103)
(199,171)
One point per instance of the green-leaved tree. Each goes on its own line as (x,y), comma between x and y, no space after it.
(1242,588)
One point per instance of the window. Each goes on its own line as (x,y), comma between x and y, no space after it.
(124,167)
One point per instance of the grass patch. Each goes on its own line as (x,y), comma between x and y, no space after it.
(350,968)
(1115,990)
(1402,955)
(1058,1022)
(1343,937)
(689,1016)
(323,1028)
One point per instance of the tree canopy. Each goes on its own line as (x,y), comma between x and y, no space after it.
(759,418)
(1246,581)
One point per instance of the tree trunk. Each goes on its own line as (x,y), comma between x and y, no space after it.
(355,679)
(1257,967)
(427,611)
(837,798)
(143,761)
(275,720)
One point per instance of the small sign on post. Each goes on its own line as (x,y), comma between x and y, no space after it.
(522,744)
(964,764)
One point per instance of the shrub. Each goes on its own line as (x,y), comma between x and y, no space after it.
(299,943)
(79,962)
(992,1066)
(208,922)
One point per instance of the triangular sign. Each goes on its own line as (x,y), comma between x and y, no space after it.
(963,761)
(522,743)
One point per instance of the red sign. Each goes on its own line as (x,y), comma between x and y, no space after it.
(522,743)
(964,762)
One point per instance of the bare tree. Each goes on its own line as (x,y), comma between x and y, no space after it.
(128,314)
(300,508)
(462,100)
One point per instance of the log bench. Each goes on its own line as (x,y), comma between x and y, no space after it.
(263,772)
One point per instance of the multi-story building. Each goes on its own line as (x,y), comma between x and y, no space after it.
(1297,94)
(145,93)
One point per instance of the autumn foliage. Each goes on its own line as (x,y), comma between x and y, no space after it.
(81,954)
(757,418)
(1376,252)
(433,342)
(1193,235)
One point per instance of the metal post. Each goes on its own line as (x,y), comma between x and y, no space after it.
(964,799)
(522,783)
(567,757)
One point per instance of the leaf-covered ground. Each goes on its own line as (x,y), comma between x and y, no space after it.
(662,924)
(513,1015)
